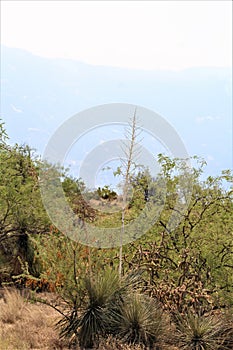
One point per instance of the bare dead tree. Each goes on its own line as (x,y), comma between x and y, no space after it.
(131,152)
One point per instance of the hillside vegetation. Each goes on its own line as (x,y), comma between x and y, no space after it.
(174,288)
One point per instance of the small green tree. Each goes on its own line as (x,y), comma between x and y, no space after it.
(21,209)
(190,266)
(106,193)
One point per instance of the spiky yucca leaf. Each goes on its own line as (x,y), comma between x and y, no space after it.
(105,294)
(94,319)
(138,320)
(91,321)
(196,332)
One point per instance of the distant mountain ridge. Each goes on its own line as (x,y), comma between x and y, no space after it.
(38,94)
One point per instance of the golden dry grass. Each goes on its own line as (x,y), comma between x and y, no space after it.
(12,306)
(26,326)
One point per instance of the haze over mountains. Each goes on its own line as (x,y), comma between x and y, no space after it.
(38,94)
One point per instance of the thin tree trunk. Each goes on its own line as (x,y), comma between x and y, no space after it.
(126,175)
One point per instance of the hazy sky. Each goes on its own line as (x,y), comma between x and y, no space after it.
(132,34)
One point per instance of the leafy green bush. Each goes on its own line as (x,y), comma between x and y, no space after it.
(106,193)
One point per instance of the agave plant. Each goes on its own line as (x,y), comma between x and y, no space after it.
(196,332)
(138,320)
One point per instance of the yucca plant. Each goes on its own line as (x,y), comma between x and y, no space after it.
(94,320)
(138,320)
(105,294)
(90,321)
(195,332)
(227,332)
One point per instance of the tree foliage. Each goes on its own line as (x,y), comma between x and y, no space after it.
(192,265)
(21,209)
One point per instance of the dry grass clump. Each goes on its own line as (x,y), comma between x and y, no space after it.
(12,306)
(25,326)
